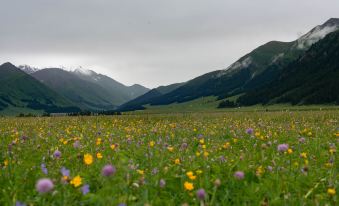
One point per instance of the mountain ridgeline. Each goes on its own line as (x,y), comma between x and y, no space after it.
(267,72)
(55,90)
(304,71)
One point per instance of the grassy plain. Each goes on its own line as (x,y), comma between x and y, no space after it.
(164,159)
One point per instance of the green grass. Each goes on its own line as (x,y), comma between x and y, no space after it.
(148,148)
(14,111)
(210,104)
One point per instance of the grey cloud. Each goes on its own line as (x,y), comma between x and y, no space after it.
(152,42)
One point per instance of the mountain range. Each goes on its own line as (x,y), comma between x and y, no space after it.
(304,71)
(256,71)
(58,90)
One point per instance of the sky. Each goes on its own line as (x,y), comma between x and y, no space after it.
(150,42)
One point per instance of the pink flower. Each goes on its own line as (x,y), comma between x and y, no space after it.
(282,147)
(44,185)
(239,175)
(108,170)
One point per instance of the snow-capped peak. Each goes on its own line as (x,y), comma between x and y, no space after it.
(317,34)
(83,71)
(28,69)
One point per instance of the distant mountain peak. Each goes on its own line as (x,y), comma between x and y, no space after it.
(83,71)
(7,64)
(331,22)
(28,69)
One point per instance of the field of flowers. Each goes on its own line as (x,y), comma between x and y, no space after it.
(231,158)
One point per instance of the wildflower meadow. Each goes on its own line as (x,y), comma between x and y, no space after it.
(222,158)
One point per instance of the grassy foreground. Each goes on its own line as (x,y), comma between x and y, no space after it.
(230,158)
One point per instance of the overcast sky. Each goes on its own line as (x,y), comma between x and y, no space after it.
(150,42)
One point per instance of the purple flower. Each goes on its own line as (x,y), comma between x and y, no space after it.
(201,194)
(222,159)
(122,204)
(57,154)
(76,144)
(108,170)
(270,168)
(44,169)
(65,172)
(239,175)
(184,146)
(155,171)
(44,185)
(302,139)
(162,183)
(282,147)
(24,137)
(18,203)
(85,189)
(249,131)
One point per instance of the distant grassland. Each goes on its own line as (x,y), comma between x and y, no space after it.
(210,104)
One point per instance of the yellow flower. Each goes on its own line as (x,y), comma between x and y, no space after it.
(290,151)
(88,159)
(177,161)
(226,145)
(5,162)
(260,170)
(98,142)
(76,181)
(303,155)
(140,172)
(188,186)
(197,154)
(202,141)
(331,191)
(170,149)
(332,150)
(151,143)
(191,175)
(206,154)
(113,146)
(99,155)
(199,172)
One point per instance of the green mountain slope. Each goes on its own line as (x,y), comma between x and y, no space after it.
(137,103)
(20,90)
(118,92)
(312,79)
(254,70)
(85,94)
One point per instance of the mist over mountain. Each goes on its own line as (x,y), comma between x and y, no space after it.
(304,71)
(255,70)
